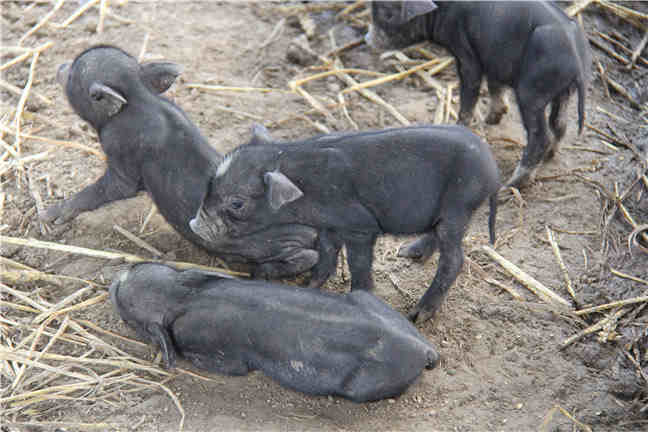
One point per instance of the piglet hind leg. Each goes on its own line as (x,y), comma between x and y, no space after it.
(557,123)
(540,83)
(470,76)
(449,232)
(421,248)
(498,105)
(533,154)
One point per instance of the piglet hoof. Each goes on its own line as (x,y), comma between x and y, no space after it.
(57,214)
(551,151)
(433,358)
(168,359)
(419,249)
(419,316)
(171,367)
(559,131)
(412,250)
(521,177)
(550,154)
(50,214)
(413,314)
(494,117)
(465,120)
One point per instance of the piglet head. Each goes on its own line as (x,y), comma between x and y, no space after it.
(148,299)
(245,194)
(102,80)
(391,21)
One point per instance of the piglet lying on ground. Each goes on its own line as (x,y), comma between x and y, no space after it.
(353,187)
(151,145)
(352,345)
(531,46)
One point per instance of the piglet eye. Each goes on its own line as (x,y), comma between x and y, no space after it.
(236,204)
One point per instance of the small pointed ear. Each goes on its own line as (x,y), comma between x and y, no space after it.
(281,190)
(62,74)
(160,76)
(260,135)
(110,98)
(412,9)
(196,278)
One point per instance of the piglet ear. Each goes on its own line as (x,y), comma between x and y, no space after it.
(412,9)
(62,74)
(160,76)
(110,100)
(197,278)
(281,190)
(260,135)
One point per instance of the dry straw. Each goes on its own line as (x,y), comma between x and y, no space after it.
(47,357)
(129,258)
(51,357)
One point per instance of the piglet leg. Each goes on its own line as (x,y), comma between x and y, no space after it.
(162,338)
(110,187)
(449,232)
(498,106)
(421,248)
(329,245)
(470,76)
(360,257)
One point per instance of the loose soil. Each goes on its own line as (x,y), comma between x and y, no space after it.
(502,367)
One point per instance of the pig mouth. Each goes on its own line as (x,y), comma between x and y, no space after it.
(211,231)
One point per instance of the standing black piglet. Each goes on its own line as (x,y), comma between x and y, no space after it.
(531,46)
(151,145)
(353,187)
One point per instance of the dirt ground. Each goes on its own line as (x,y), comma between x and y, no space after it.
(502,364)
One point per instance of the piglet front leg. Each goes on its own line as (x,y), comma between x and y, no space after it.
(162,338)
(110,187)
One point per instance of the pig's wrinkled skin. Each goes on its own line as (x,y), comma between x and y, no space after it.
(353,187)
(530,46)
(151,145)
(352,345)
